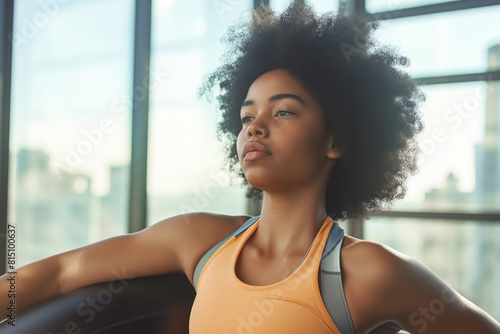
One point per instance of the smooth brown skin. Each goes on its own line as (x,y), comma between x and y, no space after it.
(385,290)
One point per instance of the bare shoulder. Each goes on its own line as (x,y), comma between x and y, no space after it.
(369,270)
(372,260)
(371,273)
(387,290)
(192,234)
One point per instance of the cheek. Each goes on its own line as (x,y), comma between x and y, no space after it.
(239,144)
(296,151)
(310,145)
(309,137)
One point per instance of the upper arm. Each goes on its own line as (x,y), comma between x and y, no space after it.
(431,306)
(153,251)
(406,292)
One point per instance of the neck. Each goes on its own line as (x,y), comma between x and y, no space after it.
(289,221)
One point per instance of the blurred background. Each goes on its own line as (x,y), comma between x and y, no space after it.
(85,130)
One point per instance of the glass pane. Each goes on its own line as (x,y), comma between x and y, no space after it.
(320,6)
(374,6)
(444,43)
(185,164)
(459,169)
(466,255)
(69,145)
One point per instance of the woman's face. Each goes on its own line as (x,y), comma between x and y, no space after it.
(286,124)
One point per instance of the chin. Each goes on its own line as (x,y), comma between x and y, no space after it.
(266,183)
(258,181)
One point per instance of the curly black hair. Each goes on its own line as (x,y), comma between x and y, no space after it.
(371,106)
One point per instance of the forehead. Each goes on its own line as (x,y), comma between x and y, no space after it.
(278,81)
(275,81)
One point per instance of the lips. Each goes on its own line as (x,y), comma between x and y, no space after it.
(253,146)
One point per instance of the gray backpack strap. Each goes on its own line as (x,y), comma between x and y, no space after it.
(204,259)
(332,291)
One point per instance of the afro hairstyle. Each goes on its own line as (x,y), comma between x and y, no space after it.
(371,104)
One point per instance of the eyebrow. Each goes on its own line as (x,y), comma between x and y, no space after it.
(275,98)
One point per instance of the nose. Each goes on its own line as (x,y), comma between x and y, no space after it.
(258,128)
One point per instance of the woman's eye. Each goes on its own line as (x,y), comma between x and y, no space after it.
(245,119)
(283,113)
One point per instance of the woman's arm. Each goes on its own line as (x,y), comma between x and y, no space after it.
(401,290)
(152,251)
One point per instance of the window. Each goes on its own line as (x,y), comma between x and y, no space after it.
(457,171)
(320,6)
(69,146)
(186,171)
(445,43)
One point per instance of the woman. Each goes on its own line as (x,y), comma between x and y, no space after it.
(323,126)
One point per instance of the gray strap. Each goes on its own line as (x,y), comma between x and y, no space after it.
(332,291)
(204,259)
(336,234)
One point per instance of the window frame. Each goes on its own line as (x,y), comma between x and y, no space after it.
(6,28)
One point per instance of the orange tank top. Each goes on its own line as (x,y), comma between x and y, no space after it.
(226,305)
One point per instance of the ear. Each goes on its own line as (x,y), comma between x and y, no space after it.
(333,152)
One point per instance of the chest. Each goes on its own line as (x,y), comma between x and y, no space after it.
(288,307)
(254,270)
(259,271)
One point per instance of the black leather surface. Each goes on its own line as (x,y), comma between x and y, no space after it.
(155,304)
